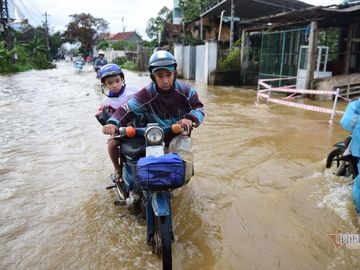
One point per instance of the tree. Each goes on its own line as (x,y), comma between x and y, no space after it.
(157,24)
(86,29)
(39,53)
(191,8)
(55,42)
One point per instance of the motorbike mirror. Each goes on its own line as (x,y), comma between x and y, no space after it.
(176,128)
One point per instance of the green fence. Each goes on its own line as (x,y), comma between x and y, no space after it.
(279,53)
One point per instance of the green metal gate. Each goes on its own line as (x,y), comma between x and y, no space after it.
(279,53)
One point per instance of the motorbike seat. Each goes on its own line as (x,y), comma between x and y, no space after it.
(133,147)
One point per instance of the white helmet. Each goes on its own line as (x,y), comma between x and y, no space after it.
(101,52)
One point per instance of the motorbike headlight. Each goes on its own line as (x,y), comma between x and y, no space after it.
(154,135)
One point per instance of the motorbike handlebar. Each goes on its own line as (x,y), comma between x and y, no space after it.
(131,132)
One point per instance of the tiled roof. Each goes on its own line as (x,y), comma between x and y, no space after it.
(122,35)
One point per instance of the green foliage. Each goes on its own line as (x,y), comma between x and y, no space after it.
(150,44)
(36,47)
(31,51)
(231,62)
(5,58)
(7,64)
(330,37)
(188,39)
(41,62)
(120,61)
(154,25)
(191,8)
(129,65)
(55,42)
(39,53)
(86,29)
(22,55)
(124,45)
(102,45)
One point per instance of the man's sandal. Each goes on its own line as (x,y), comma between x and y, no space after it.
(116,177)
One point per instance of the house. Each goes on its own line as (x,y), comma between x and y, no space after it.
(126,36)
(223,16)
(329,36)
(219,24)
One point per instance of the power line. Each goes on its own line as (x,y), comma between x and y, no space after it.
(29,12)
(35,6)
(20,10)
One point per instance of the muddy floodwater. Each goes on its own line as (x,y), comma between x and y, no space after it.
(260,198)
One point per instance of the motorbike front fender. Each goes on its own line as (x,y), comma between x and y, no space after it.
(161,203)
(340,145)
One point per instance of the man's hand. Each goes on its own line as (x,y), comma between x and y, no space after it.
(109,129)
(186,126)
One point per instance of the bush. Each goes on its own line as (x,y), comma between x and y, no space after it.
(5,58)
(120,60)
(41,62)
(129,65)
(231,62)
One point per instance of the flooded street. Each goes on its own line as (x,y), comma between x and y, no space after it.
(260,197)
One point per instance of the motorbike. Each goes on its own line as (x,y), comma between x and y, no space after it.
(97,69)
(149,175)
(79,65)
(341,159)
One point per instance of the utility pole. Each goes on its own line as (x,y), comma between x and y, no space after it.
(232,10)
(46,30)
(123,25)
(4,20)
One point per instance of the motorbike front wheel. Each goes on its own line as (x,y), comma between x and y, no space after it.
(342,166)
(163,241)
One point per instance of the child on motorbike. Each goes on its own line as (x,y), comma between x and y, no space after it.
(113,79)
(164,101)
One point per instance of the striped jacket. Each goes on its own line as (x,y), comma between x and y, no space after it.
(150,105)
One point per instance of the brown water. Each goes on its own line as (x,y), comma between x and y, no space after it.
(260,199)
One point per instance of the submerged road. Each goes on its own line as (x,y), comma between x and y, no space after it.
(260,198)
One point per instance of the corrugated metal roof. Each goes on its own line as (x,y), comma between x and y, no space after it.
(248,9)
(326,16)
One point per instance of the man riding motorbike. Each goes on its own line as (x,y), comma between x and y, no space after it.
(164,101)
(99,62)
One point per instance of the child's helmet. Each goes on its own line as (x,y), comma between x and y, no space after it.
(110,70)
(162,60)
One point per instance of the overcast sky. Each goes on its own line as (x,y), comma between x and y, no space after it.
(136,13)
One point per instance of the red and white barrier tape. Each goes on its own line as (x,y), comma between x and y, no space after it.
(298,105)
(302,91)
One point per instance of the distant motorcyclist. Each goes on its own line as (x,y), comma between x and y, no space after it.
(79,63)
(99,62)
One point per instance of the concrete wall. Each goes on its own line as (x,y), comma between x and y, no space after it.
(210,59)
(196,62)
(189,63)
(179,56)
(200,64)
(111,54)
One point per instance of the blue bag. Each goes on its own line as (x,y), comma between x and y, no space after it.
(351,116)
(164,172)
